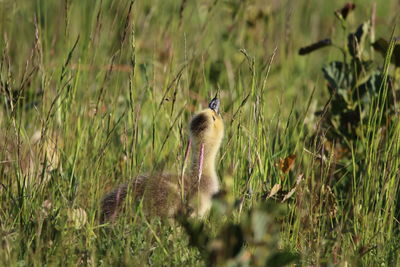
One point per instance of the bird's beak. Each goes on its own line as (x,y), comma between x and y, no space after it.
(214,104)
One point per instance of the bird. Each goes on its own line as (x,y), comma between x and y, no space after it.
(165,195)
(36,158)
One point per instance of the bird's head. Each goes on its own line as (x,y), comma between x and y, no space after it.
(207,127)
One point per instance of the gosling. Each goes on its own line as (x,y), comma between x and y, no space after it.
(164,195)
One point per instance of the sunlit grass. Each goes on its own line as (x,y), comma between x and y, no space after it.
(111,86)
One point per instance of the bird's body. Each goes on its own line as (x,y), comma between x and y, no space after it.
(164,195)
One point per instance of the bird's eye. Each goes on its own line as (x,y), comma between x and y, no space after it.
(213,118)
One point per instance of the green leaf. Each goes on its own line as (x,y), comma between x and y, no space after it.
(370,88)
(337,75)
(259,223)
(381,45)
(282,258)
(233,240)
(355,41)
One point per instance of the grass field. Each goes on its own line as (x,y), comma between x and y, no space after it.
(94,93)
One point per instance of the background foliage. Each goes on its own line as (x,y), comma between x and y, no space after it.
(95,92)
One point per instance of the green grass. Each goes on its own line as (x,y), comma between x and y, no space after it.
(112,85)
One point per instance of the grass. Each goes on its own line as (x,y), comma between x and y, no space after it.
(110,87)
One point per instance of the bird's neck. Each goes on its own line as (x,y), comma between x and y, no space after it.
(208,172)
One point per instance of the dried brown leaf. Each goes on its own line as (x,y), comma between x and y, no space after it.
(275,189)
(291,192)
(286,164)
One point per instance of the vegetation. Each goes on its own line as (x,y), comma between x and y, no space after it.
(94,93)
